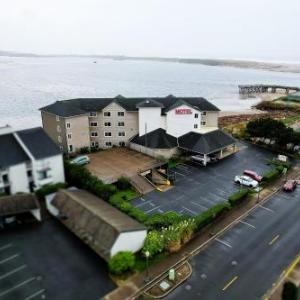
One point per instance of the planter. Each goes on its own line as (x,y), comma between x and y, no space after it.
(174,246)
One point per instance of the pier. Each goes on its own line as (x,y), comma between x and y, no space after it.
(264,88)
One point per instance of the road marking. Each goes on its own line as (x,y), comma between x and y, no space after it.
(9,258)
(192,212)
(152,209)
(274,239)
(35,294)
(5,247)
(160,211)
(180,174)
(246,223)
(268,209)
(202,206)
(230,283)
(13,271)
(143,203)
(142,199)
(223,242)
(17,286)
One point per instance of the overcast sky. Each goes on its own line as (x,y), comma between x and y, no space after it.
(264,29)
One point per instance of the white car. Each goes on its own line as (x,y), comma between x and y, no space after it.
(245,180)
(80,160)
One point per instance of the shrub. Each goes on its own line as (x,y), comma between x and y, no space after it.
(270,175)
(84,150)
(157,221)
(49,189)
(238,196)
(290,291)
(121,262)
(154,243)
(123,183)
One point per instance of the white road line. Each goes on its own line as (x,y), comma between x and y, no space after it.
(13,271)
(17,286)
(142,199)
(143,203)
(9,258)
(268,209)
(223,242)
(180,174)
(35,294)
(246,223)
(197,204)
(160,211)
(5,247)
(192,212)
(152,209)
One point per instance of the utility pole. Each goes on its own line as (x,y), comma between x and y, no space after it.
(146,142)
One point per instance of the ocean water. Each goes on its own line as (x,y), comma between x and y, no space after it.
(26,84)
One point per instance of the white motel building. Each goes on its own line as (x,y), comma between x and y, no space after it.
(159,126)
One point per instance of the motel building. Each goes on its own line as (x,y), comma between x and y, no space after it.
(159,127)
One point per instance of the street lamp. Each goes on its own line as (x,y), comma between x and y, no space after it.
(147,254)
(258,192)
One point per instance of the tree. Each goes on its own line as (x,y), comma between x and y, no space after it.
(121,262)
(289,292)
(154,243)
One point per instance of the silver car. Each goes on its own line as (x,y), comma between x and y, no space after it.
(245,180)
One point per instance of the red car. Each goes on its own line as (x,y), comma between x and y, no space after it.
(253,175)
(290,185)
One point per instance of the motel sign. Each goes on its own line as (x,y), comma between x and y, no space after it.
(183,111)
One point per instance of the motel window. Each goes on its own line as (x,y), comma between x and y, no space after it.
(43,174)
(203,123)
(195,126)
(93,114)
(203,113)
(69,136)
(94,133)
(121,113)
(59,139)
(107,133)
(57,118)
(58,128)
(68,125)
(121,124)
(107,124)
(122,144)
(122,133)
(94,144)
(94,124)
(196,116)
(107,114)
(108,144)
(71,148)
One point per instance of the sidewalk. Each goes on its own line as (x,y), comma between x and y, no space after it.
(136,285)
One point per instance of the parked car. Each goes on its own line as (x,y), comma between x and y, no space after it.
(245,180)
(80,160)
(290,186)
(253,175)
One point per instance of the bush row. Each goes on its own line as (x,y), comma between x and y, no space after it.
(238,197)
(49,189)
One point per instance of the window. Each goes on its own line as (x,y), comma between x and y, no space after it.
(59,139)
(69,136)
(93,114)
(57,118)
(108,144)
(29,173)
(71,148)
(58,128)
(94,133)
(68,125)
(122,133)
(203,123)
(121,124)
(61,148)
(107,133)
(203,113)
(94,124)
(122,144)
(121,113)
(196,116)
(195,126)
(43,174)
(107,124)
(94,144)
(5,178)
(107,114)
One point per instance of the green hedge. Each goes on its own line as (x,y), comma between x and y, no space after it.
(270,175)
(49,189)
(123,183)
(237,197)
(157,221)
(121,262)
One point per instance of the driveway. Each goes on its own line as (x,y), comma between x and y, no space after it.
(198,188)
(246,260)
(46,260)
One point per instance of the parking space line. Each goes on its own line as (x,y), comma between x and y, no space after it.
(274,240)
(197,204)
(17,286)
(13,271)
(246,223)
(266,208)
(230,283)
(223,242)
(160,211)
(192,212)
(143,203)
(5,247)
(9,258)
(142,199)
(35,294)
(148,211)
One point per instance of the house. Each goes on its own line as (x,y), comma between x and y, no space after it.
(28,160)
(101,226)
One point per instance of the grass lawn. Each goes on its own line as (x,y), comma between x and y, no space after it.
(291,120)
(126,195)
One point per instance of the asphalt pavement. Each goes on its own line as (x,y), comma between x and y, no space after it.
(246,260)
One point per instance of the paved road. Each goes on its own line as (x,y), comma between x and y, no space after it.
(198,188)
(245,261)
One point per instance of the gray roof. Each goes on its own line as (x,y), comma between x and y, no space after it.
(205,143)
(93,220)
(156,139)
(38,143)
(11,153)
(16,204)
(73,107)
(149,103)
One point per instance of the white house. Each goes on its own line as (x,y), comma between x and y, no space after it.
(29,159)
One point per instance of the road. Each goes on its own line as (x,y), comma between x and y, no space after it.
(246,260)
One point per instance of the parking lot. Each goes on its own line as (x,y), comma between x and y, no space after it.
(46,261)
(197,188)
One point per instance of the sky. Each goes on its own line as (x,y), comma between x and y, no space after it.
(244,29)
